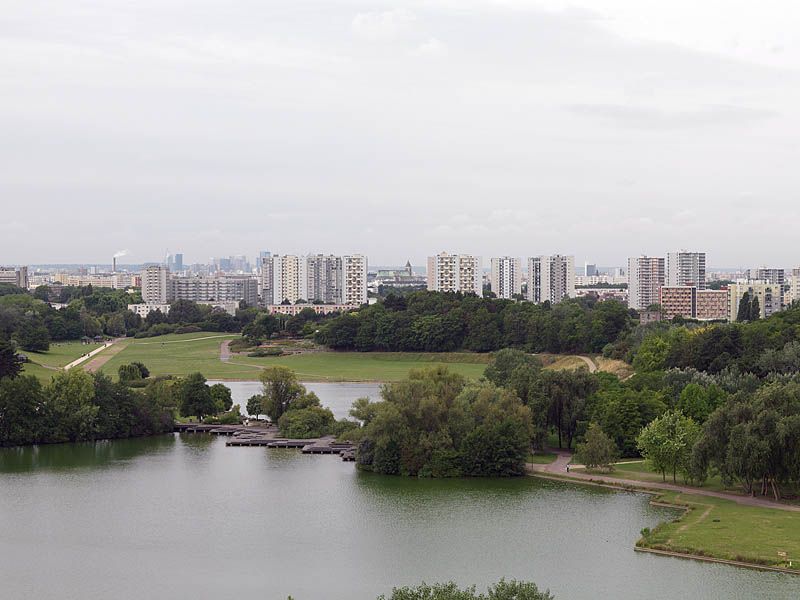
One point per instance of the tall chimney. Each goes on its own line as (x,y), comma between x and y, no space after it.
(113,264)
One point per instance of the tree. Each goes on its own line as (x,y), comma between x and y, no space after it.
(10,363)
(304,423)
(195,397)
(221,395)
(280,389)
(254,405)
(128,373)
(743,313)
(33,335)
(21,407)
(505,362)
(70,397)
(261,329)
(668,442)
(755,310)
(598,450)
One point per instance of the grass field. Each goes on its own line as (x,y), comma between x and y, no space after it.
(187,353)
(641,470)
(60,354)
(723,529)
(541,458)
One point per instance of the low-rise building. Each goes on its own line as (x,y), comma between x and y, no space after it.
(320,309)
(678,301)
(769,295)
(712,305)
(14,276)
(143,309)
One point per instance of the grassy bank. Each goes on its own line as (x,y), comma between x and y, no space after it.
(723,529)
(45,364)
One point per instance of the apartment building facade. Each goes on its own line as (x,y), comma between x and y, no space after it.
(314,278)
(551,278)
(506,277)
(685,268)
(770,297)
(155,288)
(455,273)
(646,276)
(690,302)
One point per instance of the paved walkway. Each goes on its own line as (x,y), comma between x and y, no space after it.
(88,355)
(97,362)
(225,351)
(559,467)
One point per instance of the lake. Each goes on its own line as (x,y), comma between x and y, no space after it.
(336,396)
(184,516)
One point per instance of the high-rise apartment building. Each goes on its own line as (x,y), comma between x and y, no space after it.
(226,288)
(324,283)
(686,269)
(551,278)
(314,278)
(770,275)
(455,273)
(794,289)
(645,279)
(354,278)
(155,284)
(506,277)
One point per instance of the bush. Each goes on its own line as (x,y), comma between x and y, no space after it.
(303,423)
(188,329)
(262,352)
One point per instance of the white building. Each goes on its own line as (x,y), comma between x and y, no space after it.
(144,309)
(455,273)
(770,297)
(314,278)
(155,287)
(645,279)
(354,277)
(506,277)
(551,278)
(685,268)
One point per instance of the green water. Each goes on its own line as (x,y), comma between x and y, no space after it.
(186,517)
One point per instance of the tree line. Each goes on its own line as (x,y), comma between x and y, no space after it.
(446,322)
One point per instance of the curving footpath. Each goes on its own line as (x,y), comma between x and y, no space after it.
(558,470)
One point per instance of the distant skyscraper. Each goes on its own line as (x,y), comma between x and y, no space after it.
(551,278)
(590,270)
(455,273)
(645,278)
(178,262)
(686,269)
(506,277)
(794,290)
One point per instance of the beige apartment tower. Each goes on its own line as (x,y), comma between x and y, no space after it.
(551,278)
(455,273)
(506,277)
(645,279)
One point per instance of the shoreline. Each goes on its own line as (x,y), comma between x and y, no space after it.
(655,501)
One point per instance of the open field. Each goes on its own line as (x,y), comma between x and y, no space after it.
(187,353)
(60,354)
(723,529)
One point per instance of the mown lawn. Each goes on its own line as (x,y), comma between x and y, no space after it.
(60,354)
(370,366)
(724,529)
(187,353)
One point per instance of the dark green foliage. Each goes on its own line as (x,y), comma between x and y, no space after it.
(598,450)
(221,395)
(435,425)
(32,335)
(76,406)
(310,422)
(10,363)
(195,397)
(441,322)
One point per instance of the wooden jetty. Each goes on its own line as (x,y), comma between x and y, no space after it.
(268,437)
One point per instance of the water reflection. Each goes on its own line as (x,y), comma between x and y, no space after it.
(83,455)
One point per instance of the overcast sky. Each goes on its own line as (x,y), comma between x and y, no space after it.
(601,128)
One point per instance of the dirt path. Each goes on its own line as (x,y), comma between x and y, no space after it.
(88,355)
(589,363)
(97,362)
(225,351)
(559,467)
